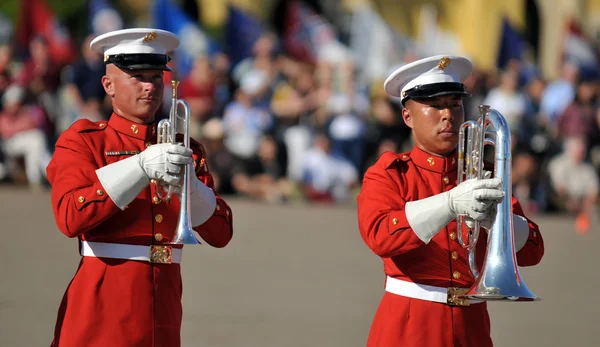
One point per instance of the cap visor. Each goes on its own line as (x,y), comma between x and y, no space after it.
(143,67)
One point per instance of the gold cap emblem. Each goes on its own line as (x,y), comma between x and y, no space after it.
(149,37)
(444,62)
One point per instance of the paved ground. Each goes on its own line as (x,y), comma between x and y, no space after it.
(293,276)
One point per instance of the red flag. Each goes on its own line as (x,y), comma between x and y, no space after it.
(36,18)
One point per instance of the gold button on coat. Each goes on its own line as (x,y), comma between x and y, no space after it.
(158,218)
(395,221)
(456,275)
(455,255)
(100,192)
(453,236)
(156,200)
(446,179)
(158,237)
(102,125)
(81,199)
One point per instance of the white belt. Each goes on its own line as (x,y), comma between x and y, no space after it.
(161,254)
(450,296)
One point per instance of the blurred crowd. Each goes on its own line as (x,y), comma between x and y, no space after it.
(277,129)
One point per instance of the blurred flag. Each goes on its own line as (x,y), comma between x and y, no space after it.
(37,19)
(242,30)
(193,42)
(307,36)
(578,48)
(103,17)
(511,44)
(375,46)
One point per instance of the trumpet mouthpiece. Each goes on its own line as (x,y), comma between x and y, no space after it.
(175,84)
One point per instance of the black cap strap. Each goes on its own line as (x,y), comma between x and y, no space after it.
(125,60)
(430,90)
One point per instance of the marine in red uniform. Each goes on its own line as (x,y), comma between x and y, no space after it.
(407,211)
(127,289)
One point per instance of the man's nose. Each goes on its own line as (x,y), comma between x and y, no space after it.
(447,114)
(149,86)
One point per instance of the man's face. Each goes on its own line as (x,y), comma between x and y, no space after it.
(136,94)
(435,123)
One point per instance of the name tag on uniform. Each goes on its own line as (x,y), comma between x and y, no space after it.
(118,153)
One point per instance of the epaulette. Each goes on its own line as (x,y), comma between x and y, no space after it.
(86,125)
(388,158)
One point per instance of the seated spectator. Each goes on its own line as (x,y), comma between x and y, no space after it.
(575,182)
(85,94)
(22,136)
(243,122)
(221,161)
(262,177)
(327,177)
(198,90)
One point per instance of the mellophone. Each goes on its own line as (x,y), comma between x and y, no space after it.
(499,278)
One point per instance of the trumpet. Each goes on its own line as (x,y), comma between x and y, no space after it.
(166,133)
(499,278)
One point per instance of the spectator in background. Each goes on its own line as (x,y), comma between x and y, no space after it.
(385,129)
(86,95)
(575,182)
(221,162)
(579,118)
(559,94)
(243,122)
(22,136)
(508,99)
(327,177)
(293,103)
(41,76)
(5,67)
(263,177)
(198,90)
(346,130)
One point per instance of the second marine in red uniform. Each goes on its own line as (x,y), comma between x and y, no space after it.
(407,213)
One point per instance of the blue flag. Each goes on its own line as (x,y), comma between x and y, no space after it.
(241,32)
(511,45)
(193,42)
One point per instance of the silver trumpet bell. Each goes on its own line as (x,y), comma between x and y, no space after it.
(167,131)
(499,278)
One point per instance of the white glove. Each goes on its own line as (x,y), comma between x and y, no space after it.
(124,180)
(471,198)
(164,162)
(487,222)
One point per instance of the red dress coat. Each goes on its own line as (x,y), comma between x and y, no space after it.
(402,321)
(115,302)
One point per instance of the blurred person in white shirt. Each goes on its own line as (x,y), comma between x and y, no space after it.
(575,182)
(327,177)
(243,122)
(22,136)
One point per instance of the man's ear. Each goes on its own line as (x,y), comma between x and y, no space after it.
(406,116)
(108,86)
